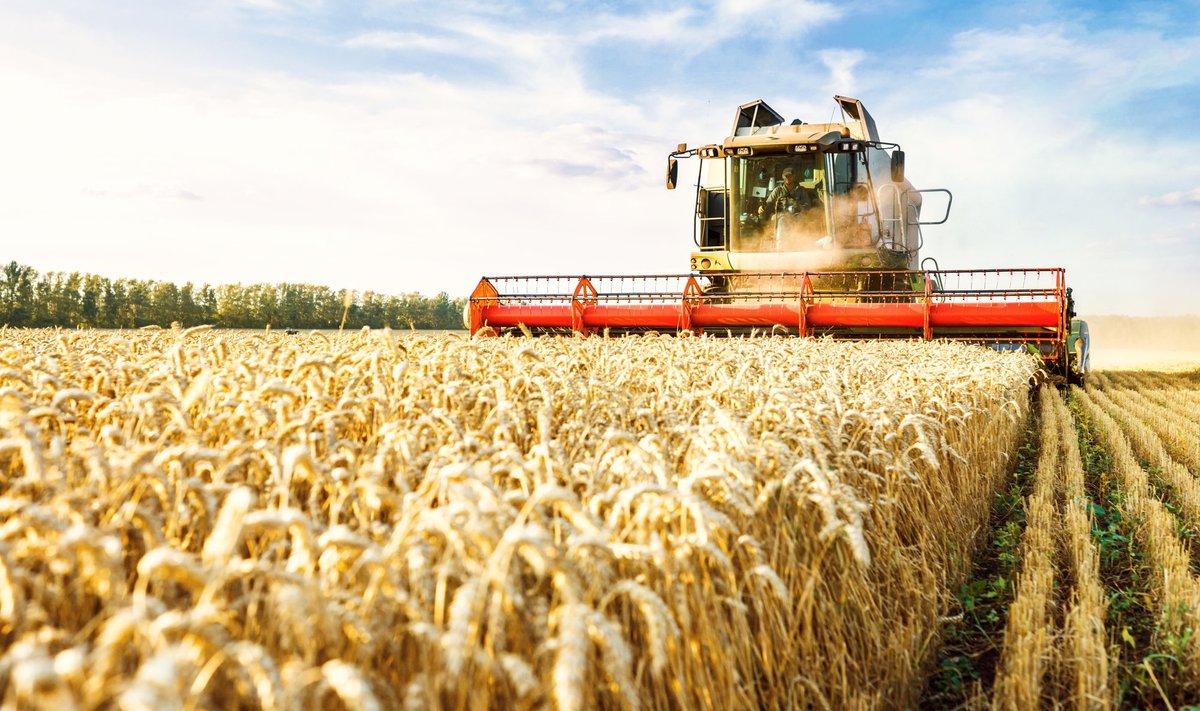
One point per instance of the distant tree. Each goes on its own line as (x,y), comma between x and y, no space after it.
(140,305)
(70,300)
(189,310)
(165,305)
(91,295)
(64,307)
(43,293)
(444,312)
(208,304)
(16,294)
(111,304)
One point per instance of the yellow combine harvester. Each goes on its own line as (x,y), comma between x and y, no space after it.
(809,229)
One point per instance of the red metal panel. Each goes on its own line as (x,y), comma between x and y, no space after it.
(927,327)
(584,296)
(670,315)
(979,302)
(867,315)
(1013,313)
(634,316)
(736,315)
(482,297)
(540,316)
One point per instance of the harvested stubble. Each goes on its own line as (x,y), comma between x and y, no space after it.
(1142,429)
(1054,650)
(1166,413)
(1029,633)
(1084,662)
(252,521)
(1177,591)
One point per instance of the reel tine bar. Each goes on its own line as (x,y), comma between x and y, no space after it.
(991,305)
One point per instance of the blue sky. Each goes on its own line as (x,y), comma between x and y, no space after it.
(413,146)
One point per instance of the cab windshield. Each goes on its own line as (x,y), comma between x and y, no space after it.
(799,202)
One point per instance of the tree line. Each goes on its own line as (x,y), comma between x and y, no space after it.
(73,300)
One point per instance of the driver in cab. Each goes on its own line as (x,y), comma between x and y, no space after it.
(789,196)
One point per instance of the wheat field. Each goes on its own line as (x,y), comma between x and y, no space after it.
(206,520)
(1092,588)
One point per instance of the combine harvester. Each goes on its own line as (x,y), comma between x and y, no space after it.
(805,229)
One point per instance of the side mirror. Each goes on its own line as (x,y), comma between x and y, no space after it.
(897,166)
(672,173)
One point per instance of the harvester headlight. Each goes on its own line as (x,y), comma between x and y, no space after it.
(705,263)
(693,263)
(744,151)
(709,152)
(800,148)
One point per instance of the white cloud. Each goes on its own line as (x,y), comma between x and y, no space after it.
(689,28)
(771,17)
(1028,47)
(1175,199)
(652,28)
(388,40)
(154,192)
(841,64)
(1064,61)
(395,180)
(386,182)
(584,150)
(276,6)
(1018,123)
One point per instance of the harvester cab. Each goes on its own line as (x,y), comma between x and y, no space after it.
(806,229)
(803,197)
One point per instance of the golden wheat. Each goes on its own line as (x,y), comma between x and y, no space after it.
(220,520)
(1167,414)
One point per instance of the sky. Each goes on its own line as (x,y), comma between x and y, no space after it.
(401,146)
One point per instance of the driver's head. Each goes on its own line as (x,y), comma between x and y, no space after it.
(789,177)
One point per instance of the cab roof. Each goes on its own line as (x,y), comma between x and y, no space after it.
(756,124)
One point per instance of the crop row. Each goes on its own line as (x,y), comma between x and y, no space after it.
(1054,644)
(1087,594)
(1105,602)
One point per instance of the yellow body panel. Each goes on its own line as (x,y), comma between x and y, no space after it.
(726,261)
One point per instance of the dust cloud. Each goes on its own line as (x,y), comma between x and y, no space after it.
(1144,342)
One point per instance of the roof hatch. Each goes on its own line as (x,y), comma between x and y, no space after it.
(753,116)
